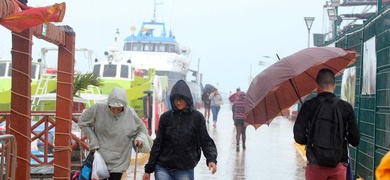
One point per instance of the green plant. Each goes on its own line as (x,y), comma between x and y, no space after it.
(81,81)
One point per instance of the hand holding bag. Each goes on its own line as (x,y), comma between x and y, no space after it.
(99,167)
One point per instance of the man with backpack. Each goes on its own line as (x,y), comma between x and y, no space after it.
(326,125)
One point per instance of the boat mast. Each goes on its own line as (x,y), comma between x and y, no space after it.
(154,11)
(116,38)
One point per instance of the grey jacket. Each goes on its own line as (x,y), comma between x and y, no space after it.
(112,134)
(216,99)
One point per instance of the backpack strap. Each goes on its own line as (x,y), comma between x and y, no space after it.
(335,100)
(341,120)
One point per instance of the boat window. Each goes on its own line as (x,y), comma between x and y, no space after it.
(127,47)
(10,70)
(137,47)
(145,72)
(124,71)
(109,70)
(133,46)
(171,48)
(160,47)
(33,71)
(2,69)
(96,70)
(171,74)
(149,47)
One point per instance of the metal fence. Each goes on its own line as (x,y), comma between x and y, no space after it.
(372,110)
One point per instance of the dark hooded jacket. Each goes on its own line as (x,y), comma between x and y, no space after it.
(181,136)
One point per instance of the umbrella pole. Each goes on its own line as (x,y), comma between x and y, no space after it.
(295,90)
(292,84)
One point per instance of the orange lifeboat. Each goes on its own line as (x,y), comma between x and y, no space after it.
(51,70)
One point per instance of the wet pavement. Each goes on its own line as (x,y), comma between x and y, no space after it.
(270,153)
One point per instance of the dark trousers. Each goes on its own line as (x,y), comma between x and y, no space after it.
(115,176)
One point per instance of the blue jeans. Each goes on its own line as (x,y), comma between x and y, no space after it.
(162,173)
(215,111)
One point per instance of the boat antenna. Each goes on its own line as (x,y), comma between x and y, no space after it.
(154,11)
(116,37)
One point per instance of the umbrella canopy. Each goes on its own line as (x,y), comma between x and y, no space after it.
(208,88)
(278,87)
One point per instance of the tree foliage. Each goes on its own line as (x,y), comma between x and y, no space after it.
(81,81)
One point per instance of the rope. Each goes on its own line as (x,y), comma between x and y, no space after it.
(26,160)
(21,72)
(54,35)
(65,73)
(64,119)
(62,148)
(27,137)
(64,168)
(68,135)
(27,98)
(21,95)
(22,37)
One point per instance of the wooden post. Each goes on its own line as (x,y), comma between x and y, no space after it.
(21,100)
(64,106)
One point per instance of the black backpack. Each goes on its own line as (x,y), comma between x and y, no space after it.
(326,134)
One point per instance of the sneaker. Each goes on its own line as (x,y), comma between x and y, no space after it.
(243,147)
(237,148)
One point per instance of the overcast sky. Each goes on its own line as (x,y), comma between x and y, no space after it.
(229,37)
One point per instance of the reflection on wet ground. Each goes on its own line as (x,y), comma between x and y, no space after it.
(270,152)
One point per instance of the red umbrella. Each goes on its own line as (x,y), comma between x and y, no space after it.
(277,88)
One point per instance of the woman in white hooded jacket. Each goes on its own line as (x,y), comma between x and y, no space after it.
(111,127)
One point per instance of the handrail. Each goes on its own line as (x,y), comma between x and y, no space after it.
(8,146)
(46,119)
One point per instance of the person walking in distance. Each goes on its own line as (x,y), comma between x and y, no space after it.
(215,105)
(234,97)
(332,129)
(239,119)
(181,136)
(206,105)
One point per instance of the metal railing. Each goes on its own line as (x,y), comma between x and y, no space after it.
(8,157)
(40,130)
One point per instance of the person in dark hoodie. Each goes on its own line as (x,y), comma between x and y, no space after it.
(181,136)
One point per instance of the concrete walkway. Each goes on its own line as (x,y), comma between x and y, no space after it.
(270,153)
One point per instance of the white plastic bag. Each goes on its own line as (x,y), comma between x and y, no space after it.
(99,167)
